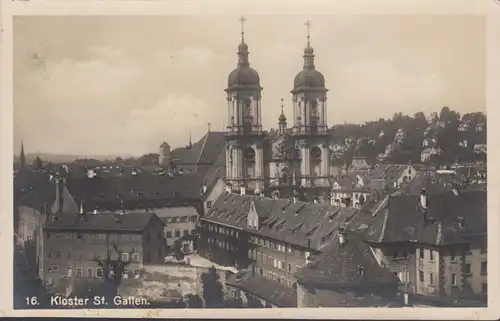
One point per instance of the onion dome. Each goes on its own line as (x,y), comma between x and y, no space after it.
(243,75)
(309,77)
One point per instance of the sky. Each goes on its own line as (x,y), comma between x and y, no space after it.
(121,85)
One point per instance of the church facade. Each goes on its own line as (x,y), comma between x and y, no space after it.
(289,161)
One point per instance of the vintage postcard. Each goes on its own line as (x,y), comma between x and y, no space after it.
(301,159)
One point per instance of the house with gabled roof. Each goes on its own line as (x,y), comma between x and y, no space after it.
(74,242)
(200,156)
(435,243)
(176,199)
(269,240)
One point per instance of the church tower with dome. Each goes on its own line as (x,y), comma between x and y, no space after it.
(310,127)
(245,139)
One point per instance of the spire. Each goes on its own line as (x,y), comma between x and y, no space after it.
(308,51)
(22,157)
(190,144)
(242,20)
(243,47)
(308,25)
(282,119)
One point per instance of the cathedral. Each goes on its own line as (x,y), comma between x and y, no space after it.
(290,161)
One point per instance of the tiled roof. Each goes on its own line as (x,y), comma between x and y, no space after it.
(33,188)
(350,265)
(433,183)
(103,170)
(101,222)
(402,219)
(257,285)
(148,188)
(205,151)
(308,225)
(388,171)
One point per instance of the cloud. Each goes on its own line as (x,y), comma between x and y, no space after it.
(128,83)
(114,102)
(375,86)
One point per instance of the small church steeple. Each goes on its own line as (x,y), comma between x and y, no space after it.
(22,157)
(282,120)
(190,144)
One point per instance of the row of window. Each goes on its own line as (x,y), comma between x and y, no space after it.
(223,230)
(275,246)
(91,272)
(95,236)
(179,219)
(467,270)
(279,279)
(452,253)
(222,244)
(92,255)
(177,233)
(268,260)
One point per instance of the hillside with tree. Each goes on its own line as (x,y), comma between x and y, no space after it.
(402,139)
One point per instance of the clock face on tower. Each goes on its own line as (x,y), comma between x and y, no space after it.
(316,153)
(249,154)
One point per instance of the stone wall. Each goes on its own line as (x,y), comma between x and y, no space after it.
(169,282)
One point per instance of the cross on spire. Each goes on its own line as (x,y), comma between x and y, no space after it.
(242,20)
(282,105)
(308,25)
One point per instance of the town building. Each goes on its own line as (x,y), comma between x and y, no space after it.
(355,188)
(346,274)
(74,242)
(435,243)
(268,238)
(429,153)
(176,200)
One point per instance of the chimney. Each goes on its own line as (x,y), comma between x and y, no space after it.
(205,189)
(228,189)
(423,199)
(309,243)
(134,172)
(455,191)
(95,210)
(315,200)
(294,199)
(81,208)
(243,190)
(59,198)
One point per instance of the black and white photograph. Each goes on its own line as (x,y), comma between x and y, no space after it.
(249,161)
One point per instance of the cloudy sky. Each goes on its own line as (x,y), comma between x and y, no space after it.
(122,85)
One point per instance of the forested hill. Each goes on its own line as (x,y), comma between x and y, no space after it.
(403,138)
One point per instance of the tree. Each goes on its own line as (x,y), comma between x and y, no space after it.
(179,255)
(37,163)
(194,301)
(212,288)
(113,270)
